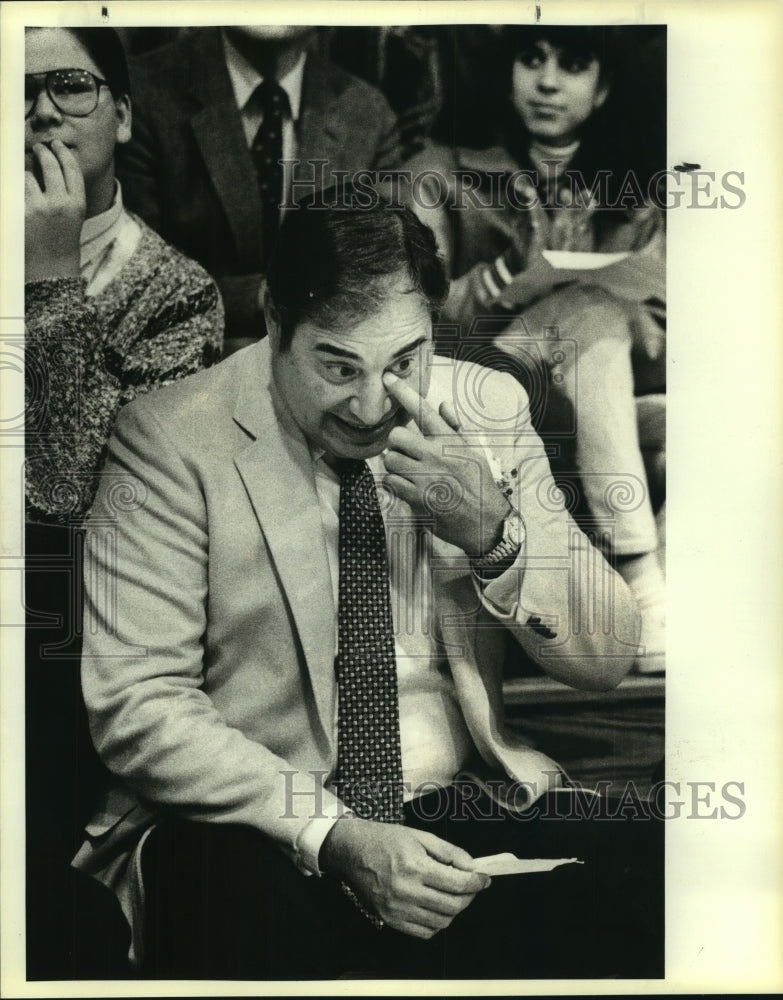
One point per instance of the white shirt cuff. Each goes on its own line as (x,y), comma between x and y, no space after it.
(310,840)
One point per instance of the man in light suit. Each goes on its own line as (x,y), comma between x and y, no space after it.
(213,629)
(189,170)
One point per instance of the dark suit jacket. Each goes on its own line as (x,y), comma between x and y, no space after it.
(188,172)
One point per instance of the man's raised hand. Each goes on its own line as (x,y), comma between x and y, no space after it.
(442,475)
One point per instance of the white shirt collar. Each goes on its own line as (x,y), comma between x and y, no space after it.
(100,230)
(99,233)
(245,78)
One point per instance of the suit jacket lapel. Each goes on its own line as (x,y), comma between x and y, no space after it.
(277,471)
(323,133)
(217,127)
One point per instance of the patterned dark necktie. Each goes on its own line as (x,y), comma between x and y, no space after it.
(267,150)
(368,777)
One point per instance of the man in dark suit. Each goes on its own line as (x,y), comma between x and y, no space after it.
(191,169)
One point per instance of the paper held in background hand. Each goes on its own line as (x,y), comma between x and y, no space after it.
(633,277)
(580,260)
(507,864)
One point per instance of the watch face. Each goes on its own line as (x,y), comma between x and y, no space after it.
(514,528)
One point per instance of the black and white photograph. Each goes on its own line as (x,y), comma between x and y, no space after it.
(343,642)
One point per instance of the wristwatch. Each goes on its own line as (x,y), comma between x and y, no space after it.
(508,546)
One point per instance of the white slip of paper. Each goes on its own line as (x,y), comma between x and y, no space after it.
(508,864)
(581,260)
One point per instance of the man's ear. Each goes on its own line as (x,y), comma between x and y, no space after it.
(271,317)
(124,118)
(600,96)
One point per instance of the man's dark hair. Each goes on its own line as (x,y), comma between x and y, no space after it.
(576,42)
(104,47)
(332,266)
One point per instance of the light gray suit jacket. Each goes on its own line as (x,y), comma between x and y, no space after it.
(209,634)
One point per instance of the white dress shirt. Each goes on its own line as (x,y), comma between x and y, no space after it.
(245,79)
(434,739)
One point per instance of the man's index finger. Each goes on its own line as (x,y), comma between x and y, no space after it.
(426,418)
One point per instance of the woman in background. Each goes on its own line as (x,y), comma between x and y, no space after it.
(594,338)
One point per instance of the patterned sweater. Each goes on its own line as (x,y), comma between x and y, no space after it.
(160,319)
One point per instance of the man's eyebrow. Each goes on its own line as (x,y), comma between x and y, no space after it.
(338,352)
(409,347)
(341,352)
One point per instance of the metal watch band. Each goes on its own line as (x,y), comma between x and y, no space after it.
(509,545)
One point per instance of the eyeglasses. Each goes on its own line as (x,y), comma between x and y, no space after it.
(74,92)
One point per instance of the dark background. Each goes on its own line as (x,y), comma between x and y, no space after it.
(451,83)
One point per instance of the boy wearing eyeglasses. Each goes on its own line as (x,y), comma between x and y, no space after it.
(75,119)
(131,312)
